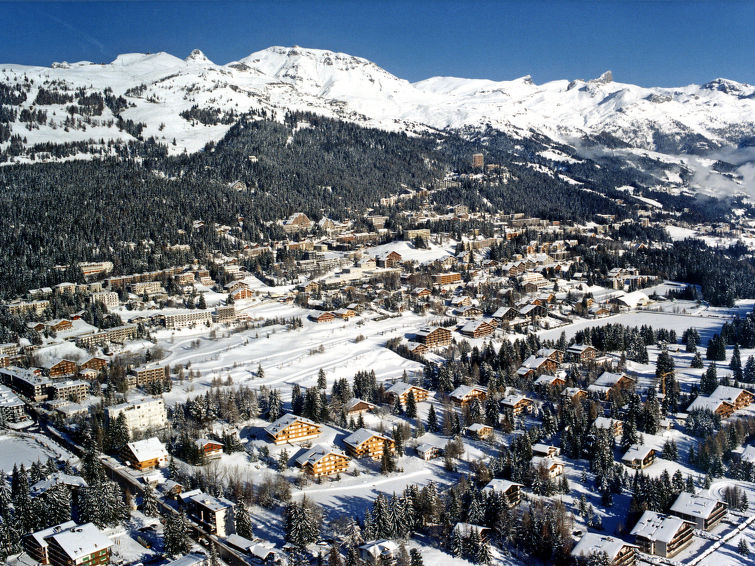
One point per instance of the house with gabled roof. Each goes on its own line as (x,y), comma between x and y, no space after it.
(662,535)
(638,457)
(355,407)
(366,442)
(608,380)
(517,404)
(510,489)
(146,454)
(323,461)
(619,553)
(581,352)
(465,394)
(477,329)
(402,390)
(547,380)
(704,512)
(292,428)
(69,544)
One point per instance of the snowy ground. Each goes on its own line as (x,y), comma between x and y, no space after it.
(18,449)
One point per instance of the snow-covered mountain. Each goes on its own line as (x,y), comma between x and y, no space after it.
(690,128)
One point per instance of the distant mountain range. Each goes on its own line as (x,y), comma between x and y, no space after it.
(692,138)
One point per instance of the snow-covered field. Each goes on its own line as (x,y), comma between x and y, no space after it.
(18,449)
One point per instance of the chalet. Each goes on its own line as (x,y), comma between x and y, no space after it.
(73,483)
(69,544)
(704,512)
(61,368)
(540,365)
(638,457)
(662,535)
(506,313)
(616,426)
(97,364)
(379,552)
(416,348)
(553,466)
(574,393)
(510,489)
(581,353)
(551,353)
(517,404)
(213,513)
(446,278)
(631,300)
(323,461)
(465,530)
(421,292)
(461,301)
(146,454)
(740,398)
(355,407)
(239,290)
(344,313)
(365,442)
(322,317)
(541,449)
(465,394)
(428,451)
(619,553)
(388,259)
(208,448)
(292,428)
(296,222)
(723,408)
(477,329)
(598,311)
(533,311)
(546,380)
(470,311)
(480,431)
(608,380)
(433,337)
(402,391)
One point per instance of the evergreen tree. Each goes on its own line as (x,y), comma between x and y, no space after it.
(716,350)
(176,539)
(736,365)
(411,405)
(322,382)
(432,420)
(456,544)
(243,521)
(742,547)
(150,505)
(415,558)
(260,371)
(387,464)
(697,361)
(709,380)
(334,556)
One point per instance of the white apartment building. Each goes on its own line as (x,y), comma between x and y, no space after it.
(108,298)
(189,318)
(140,415)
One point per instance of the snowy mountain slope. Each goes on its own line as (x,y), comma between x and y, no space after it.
(695,120)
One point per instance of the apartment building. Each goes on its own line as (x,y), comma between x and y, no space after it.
(140,415)
(292,428)
(11,407)
(662,535)
(147,288)
(465,394)
(433,337)
(147,375)
(323,461)
(26,382)
(22,308)
(72,390)
(190,318)
(446,278)
(69,544)
(107,298)
(402,390)
(117,334)
(618,552)
(365,442)
(704,512)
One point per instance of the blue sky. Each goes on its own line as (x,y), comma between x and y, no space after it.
(666,43)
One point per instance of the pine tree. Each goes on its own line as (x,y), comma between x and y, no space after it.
(415,558)
(709,380)
(736,364)
(386,461)
(742,547)
(243,522)
(201,303)
(411,405)
(260,371)
(697,361)
(176,534)
(322,382)
(456,544)
(334,556)
(748,375)
(275,407)
(432,420)
(482,553)
(149,502)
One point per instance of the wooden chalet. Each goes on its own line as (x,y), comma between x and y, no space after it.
(517,404)
(323,461)
(446,278)
(723,408)
(356,407)
(480,431)
(146,454)
(388,259)
(344,313)
(322,317)
(61,368)
(739,398)
(704,512)
(402,390)
(416,348)
(97,364)
(292,428)
(541,449)
(638,457)
(209,448)
(365,442)
(465,394)
(581,353)
(552,354)
(547,380)
(510,489)
(607,381)
(619,553)
(506,314)
(421,292)
(477,329)
(470,311)
(662,535)
(553,466)
(433,337)
(428,451)
(574,393)
(616,426)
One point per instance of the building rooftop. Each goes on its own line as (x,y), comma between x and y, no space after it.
(592,543)
(285,421)
(694,505)
(363,434)
(657,527)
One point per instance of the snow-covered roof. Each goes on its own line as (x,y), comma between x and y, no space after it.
(354,402)
(317,453)
(477,427)
(401,387)
(285,421)
(192,559)
(80,541)
(380,547)
(473,325)
(546,379)
(466,529)
(749,454)
(464,390)
(148,449)
(657,527)
(546,461)
(210,502)
(500,485)
(592,543)
(728,394)
(610,379)
(694,505)
(706,404)
(636,452)
(603,422)
(363,434)
(57,478)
